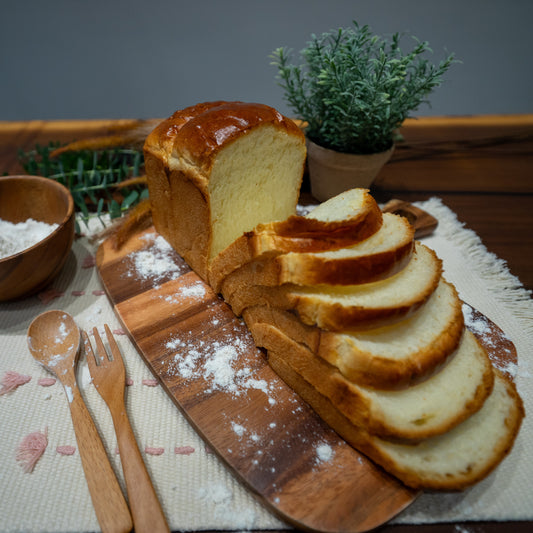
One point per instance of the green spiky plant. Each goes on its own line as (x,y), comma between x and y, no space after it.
(354,89)
(97,179)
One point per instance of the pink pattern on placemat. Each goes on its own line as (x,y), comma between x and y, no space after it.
(66,450)
(50,294)
(129,382)
(119,331)
(78,293)
(98,292)
(151,450)
(46,382)
(150,382)
(184,450)
(11,380)
(31,448)
(88,262)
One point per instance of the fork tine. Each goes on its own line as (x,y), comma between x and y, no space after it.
(89,354)
(100,348)
(115,350)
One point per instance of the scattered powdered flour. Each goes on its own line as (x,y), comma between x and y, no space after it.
(480,326)
(219,362)
(239,430)
(15,238)
(196,290)
(324,452)
(226,509)
(157,261)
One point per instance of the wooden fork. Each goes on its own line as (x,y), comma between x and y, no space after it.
(109,378)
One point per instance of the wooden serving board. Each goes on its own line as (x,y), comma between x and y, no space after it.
(206,361)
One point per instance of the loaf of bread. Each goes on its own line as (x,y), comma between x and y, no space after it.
(353,313)
(213,172)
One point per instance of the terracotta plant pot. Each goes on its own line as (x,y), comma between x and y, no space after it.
(332,172)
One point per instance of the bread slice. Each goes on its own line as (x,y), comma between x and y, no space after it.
(424,410)
(378,257)
(344,220)
(213,170)
(452,461)
(389,357)
(349,307)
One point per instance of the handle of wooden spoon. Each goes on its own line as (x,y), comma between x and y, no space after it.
(109,504)
(145,507)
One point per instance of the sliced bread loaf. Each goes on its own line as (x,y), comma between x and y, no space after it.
(347,307)
(389,357)
(213,170)
(454,460)
(380,256)
(424,410)
(344,220)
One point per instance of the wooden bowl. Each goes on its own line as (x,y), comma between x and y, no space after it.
(44,200)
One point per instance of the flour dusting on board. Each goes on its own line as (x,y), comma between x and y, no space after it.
(156,262)
(480,326)
(218,360)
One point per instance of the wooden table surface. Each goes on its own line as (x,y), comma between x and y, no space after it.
(480,166)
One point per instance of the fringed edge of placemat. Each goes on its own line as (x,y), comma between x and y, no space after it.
(506,288)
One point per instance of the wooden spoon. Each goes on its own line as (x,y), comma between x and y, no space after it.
(54,341)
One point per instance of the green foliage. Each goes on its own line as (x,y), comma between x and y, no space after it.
(93,177)
(354,89)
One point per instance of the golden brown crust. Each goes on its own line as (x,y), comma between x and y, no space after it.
(361,367)
(369,445)
(240,293)
(317,269)
(295,234)
(200,131)
(351,399)
(470,476)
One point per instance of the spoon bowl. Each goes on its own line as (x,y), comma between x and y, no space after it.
(54,341)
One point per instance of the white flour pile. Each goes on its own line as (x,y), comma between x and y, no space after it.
(156,262)
(15,238)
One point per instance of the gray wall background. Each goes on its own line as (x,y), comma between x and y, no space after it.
(62,59)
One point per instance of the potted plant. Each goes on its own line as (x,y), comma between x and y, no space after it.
(353,90)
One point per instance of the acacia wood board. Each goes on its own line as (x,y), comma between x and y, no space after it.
(262,430)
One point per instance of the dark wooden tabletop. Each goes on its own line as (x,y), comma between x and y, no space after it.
(480,167)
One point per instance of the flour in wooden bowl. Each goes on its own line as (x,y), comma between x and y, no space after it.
(17,237)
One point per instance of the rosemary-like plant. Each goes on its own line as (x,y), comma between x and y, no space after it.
(94,177)
(354,89)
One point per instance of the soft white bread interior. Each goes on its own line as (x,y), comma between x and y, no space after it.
(454,460)
(344,307)
(429,408)
(344,220)
(213,171)
(388,357)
